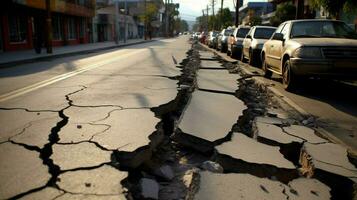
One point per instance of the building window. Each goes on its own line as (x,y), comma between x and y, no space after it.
(71,28)
(57,28)
(17,28)
(82,27)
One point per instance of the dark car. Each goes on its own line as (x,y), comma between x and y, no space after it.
(235,41)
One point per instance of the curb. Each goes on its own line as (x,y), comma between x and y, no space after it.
(288,101)
(42,58)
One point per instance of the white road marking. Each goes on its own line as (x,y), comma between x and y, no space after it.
(30,88)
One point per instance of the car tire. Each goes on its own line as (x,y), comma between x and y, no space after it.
(242,57)
(290,80)
(267,72)
(251,58)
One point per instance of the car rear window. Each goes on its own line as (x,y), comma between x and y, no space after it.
(227,32)
(263,33)
(242,32)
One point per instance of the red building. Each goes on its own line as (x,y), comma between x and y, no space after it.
(23,23)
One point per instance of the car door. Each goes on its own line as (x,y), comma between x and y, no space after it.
(281,44)
(247,41)
(272,55)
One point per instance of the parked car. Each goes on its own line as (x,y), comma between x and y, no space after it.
(202,37)
(305,48)
(222,40)
(235,41)
(254,41)
(211,36)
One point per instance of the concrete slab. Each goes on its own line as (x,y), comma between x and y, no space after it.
(211,64)
(30,128)
(245,187)
(101,181)
(237,186)
(20,170)
(206,55)
(304,132)
(79,155)
(129,130)
(91,197)
(327,157)
(47,193)
(305,188)
(129,92)
(247,149)
(269,120)
(211,116)
(84,115)
(273,133)
(220,80)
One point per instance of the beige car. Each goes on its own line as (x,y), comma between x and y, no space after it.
(305,48)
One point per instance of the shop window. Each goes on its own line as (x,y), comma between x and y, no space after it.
(71,28)
(82,27)
(57,28)
(17,28)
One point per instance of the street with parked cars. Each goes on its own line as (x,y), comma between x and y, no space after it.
(295,50)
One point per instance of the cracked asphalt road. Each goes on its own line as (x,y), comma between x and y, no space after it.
(146,121)
(61,120)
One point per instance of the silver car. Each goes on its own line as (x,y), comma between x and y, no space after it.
(254,41)
(305,48)
(222,40)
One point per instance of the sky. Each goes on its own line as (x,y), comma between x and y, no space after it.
(190,9)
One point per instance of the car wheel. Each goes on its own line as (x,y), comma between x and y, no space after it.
(267,72)
(251,58)
(242,57)
(290,80)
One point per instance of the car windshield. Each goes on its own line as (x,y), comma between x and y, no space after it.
(242,32)
(331,29)
(227,32)
(263,33)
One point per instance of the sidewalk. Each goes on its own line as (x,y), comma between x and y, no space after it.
(9,59)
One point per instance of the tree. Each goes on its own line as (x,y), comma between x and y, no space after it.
(227,19)
(284,12)
(180,25)
(334,7)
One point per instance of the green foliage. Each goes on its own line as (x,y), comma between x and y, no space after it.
(150,13)
(334,7)
(180,25)
(226,19)
(255,20)
(284,12)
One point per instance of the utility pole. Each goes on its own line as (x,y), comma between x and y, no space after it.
(221,14)
(145,20)
(207,18)
(48,27)
(237,13)
(203,19)
(125,24)
(116,22)
(213,17)
(166,18)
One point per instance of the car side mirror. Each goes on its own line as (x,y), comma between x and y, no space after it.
(278,36)
(249,36)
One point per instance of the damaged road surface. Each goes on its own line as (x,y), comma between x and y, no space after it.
(162,120)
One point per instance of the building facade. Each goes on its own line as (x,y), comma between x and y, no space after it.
(23,23)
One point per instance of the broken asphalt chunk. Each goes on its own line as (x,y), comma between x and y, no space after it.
(21,170)
(101,181)
(245,155)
